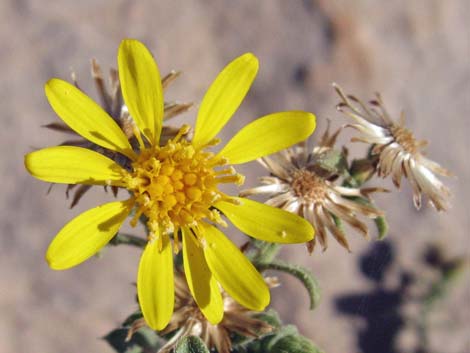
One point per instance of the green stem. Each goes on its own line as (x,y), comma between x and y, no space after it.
(262,252)
(128,239)
(302,274)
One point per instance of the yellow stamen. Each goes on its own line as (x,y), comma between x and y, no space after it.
(136,217)
(176,185)
(183,131)
(237,179)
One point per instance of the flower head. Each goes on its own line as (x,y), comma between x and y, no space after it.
(174,186)
(188,320)
(397,151)
(299,182)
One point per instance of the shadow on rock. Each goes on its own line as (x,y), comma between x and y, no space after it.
(379,308)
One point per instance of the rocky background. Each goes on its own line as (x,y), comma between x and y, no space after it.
(415,52)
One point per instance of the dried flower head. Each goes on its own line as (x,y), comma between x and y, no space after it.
(188,320)
(303,182)
(397,151)
(173,188)
(110,98)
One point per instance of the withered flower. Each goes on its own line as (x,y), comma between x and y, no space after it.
(188,320)
(397,151)
(304,182)
(110,98)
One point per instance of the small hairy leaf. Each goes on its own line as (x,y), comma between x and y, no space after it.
(145,340)
(294,344)
(302,274)
(382,227)
(191,344)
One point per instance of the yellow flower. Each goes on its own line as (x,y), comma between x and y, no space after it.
(175,186)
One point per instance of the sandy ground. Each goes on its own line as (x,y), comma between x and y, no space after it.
(415,52)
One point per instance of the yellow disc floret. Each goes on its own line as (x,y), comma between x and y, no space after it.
(176,185)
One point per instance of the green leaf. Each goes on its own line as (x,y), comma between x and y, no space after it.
(451,271)
(191,344)
(382,227)
(144,340)
(285,340)
(132,317)
(271,317)
(302,274)
(294,344)
(265,344)
(332,161)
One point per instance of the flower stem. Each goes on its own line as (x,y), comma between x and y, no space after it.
(128,239)
(302,274)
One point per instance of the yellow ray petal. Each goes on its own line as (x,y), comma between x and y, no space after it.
(201,283)
(233,270)
(155,283)
(86,234)
(73,165)
(224,97)
(267,135)
(266,222)
(86,117)
(141,87)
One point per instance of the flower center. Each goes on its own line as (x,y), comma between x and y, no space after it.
(176,185)
(404,138)
(308,186)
